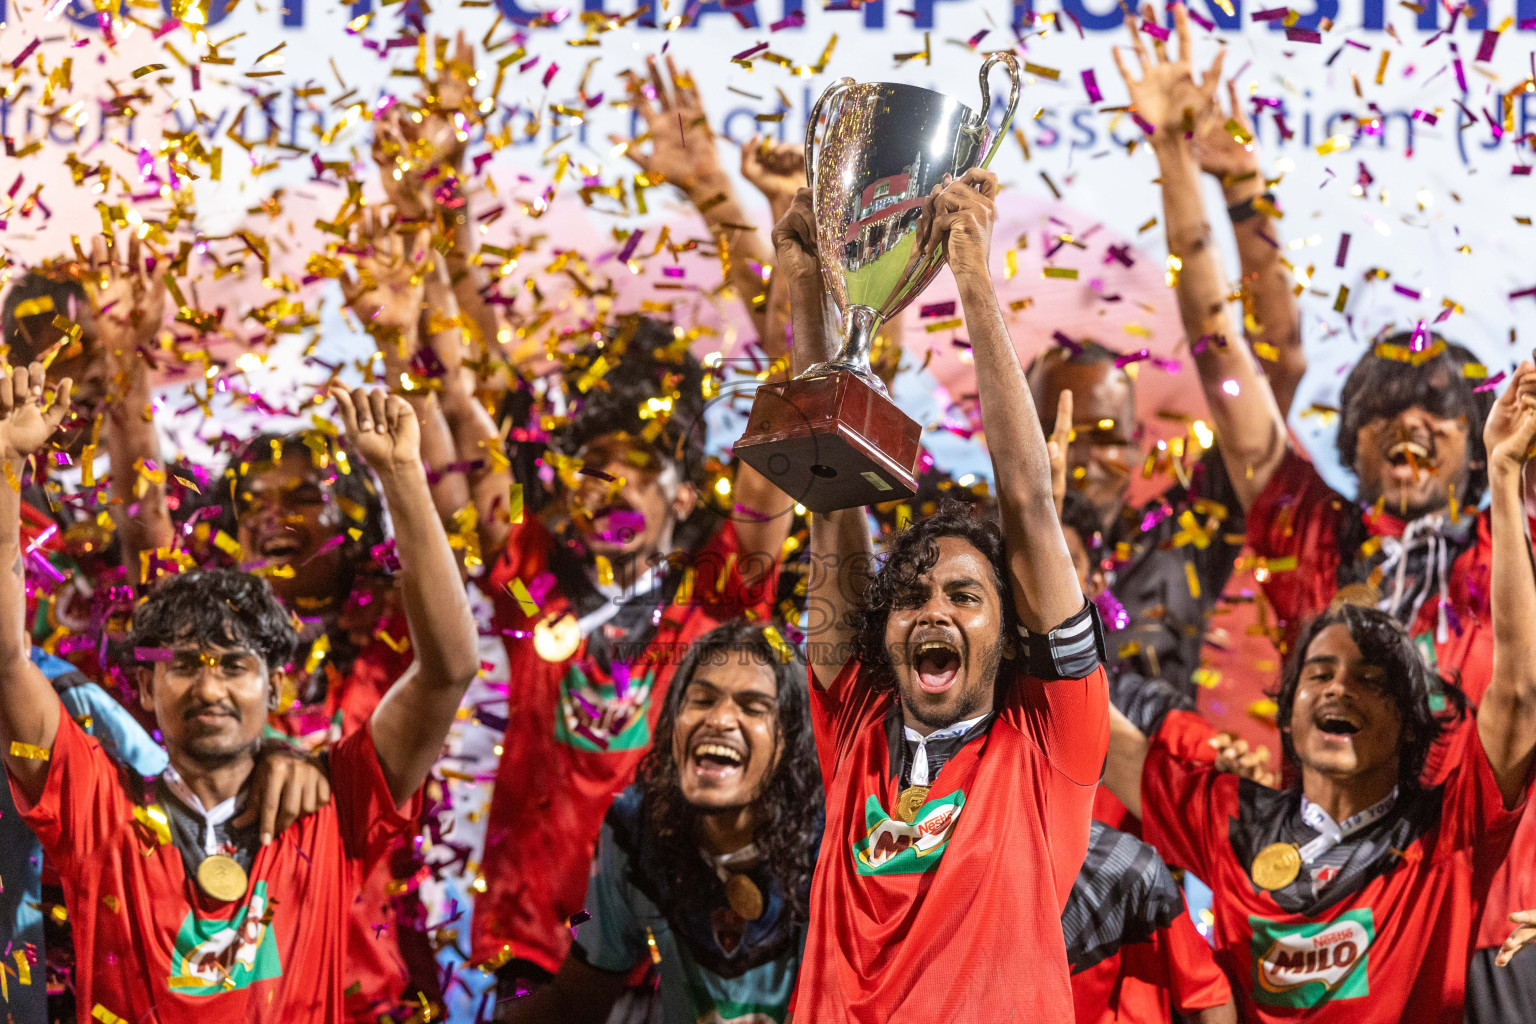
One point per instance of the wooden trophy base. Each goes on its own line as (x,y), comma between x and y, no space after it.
(832,442)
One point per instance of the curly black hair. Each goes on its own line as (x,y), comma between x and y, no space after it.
(1381,387)
(216,607)
(1406,680)
(35,285)
(788,828)
(910,554)
(355,489)
(645,361)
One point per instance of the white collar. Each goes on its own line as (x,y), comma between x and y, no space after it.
(948,732)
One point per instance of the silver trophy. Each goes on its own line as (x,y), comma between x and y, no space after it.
(832,437)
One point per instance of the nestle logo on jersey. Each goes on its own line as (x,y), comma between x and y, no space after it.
(1306,965)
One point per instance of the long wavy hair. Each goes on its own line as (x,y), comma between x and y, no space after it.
(788,832)
(911,554)
(1405,680)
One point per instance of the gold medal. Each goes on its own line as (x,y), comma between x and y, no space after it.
(222,878)
(557,640)
(1276,866)
(910,802)
(745,898)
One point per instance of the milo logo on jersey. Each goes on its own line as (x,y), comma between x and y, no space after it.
(892,847)
(1307,965)
(596,716)
(213,957)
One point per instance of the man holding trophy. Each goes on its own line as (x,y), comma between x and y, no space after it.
(960,707)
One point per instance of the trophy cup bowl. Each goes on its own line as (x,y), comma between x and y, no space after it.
(832,438)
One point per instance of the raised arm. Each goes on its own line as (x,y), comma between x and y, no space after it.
(29,709)
(764,514)
(1248,423)
(1506,718)
(1271,318)
(842,553)
(411,722)
(1041,573)
(128,301)
(683,153)
(388,296)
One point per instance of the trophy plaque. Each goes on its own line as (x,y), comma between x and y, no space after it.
(832,438)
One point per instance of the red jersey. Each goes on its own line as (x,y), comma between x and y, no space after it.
(1383,935)
(1299,515)
(1148,982)
(957,916)
(154,948)
(575,735)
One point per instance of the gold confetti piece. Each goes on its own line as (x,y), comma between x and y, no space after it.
(105,1015)
(148,69)
(1474,371)
(1285,564)
(1011,261)
(1043,72)
(32,307)
(29,752)
(153,818)
(110,902)
(1192,578)
(519,591)
(1148,226)
(780,647)
(1334,144)
(1342,298)
(317,652)
(399,646)
(1265,710)
(604,570)
(650,941)
(1066,273)
(23,968)
(944,325)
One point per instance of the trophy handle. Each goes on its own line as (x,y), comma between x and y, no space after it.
(1012,64)
(810,126)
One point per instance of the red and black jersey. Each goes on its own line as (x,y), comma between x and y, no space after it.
(956,915)
(1379,932)
(1134,952)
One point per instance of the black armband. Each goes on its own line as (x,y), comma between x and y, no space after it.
(1239,212)
(1070,651)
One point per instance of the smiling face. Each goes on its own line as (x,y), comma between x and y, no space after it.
(1413,460)
(946,639)
(1102,451)
(211,703)
(726,741)
(287,516)
(630,510)
(1343,724)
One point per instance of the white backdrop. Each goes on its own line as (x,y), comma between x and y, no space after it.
(1431,198)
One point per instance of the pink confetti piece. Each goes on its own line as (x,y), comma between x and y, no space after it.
(1143,123)
(1517,169)
(978,37)
(1091,86)
(549,72)
(630,245)
(21,58)
(794,19)
(749,51)
(938,309)
(1122,361)
(1205,23)
(1523,293)
(1401,290)
(1270,14)
(1461,72)
(1155,31)
(1485,47)
(1491,382)
(1303,35)
(1343,252)
(153,654)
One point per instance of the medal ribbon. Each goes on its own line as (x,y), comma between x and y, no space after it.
(735,862)
(1331,833)
(919,775)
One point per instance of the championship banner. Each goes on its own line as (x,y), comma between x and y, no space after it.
(1400,134)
